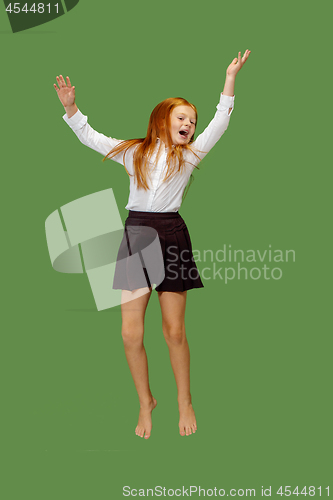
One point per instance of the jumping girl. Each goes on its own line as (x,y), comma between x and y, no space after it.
(159,167)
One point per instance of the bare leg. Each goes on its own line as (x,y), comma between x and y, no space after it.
(173,323)
(133,308)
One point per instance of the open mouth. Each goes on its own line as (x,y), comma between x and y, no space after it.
(184,133)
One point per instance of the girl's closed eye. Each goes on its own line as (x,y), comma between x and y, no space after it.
(181,118)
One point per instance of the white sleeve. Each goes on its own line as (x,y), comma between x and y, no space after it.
(89,137)
(219,124)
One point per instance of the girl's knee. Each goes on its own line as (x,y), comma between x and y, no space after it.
(174,334)
(132,335)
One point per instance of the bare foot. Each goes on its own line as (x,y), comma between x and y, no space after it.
(187,421)
(143,429)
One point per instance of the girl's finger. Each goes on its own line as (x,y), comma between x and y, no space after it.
(246,55)
(62,81)
(68,81)
(239,61)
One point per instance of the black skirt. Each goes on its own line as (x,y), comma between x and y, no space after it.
(156,250)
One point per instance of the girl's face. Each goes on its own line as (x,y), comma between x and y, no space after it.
(182,124)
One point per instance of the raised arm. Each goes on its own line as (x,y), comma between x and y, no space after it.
(216,128)
(79,123)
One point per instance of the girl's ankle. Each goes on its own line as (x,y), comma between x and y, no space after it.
(186,400)
(147,402)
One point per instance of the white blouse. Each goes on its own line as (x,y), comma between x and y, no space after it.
(162,196)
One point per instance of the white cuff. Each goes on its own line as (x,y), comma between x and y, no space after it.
(226,101)
(76,121)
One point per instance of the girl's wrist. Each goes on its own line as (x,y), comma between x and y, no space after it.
(229,86)
(71,110)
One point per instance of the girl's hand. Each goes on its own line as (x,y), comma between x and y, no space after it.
(66,92)
(237,63)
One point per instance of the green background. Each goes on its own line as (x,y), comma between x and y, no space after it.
(261,350)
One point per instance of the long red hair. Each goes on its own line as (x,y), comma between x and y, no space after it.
(159,125)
